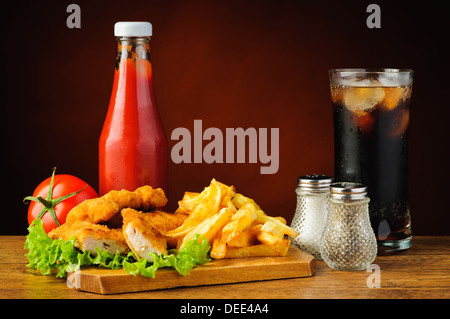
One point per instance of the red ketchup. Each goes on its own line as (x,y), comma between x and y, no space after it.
(133,144)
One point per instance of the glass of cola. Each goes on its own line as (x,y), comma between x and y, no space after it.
(371,111)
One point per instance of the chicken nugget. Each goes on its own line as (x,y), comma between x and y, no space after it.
(124,198)
(90,236)
(94,210)
(106,209)
(164,222)
(151,197)
(141,236)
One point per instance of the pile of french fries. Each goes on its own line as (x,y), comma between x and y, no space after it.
(234,225)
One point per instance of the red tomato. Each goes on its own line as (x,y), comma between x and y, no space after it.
(63,185)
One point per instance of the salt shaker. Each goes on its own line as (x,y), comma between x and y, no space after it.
(311,213)
(348,241)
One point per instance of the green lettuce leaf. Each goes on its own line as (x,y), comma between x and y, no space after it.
(47,255)
(193,253)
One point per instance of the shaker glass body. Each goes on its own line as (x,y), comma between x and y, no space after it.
(348,241)
(310,217)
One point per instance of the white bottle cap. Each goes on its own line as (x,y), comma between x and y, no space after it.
(133,29)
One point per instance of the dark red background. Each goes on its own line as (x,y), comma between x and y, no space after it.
(230,64)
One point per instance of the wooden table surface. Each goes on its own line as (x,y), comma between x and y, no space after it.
(423,271)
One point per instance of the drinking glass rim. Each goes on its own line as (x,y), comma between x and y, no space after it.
(372,70)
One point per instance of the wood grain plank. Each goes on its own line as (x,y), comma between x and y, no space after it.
(420,272)
(104,281)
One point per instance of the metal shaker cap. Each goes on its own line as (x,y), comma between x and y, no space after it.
(348,190)
(314,182)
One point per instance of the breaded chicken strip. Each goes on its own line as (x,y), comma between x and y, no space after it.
(151,198)
(141,236)
(90,235)
(94,210)
(164,222)
(108,207)
(124,198)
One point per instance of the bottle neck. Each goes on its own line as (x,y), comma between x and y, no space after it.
(133,80)
(136,48)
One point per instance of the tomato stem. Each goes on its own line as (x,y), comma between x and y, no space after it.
(44,202)
(48,204)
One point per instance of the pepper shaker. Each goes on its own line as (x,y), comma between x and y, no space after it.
(311,213)
(348,241)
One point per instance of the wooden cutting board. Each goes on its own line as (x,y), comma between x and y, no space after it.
(105,281)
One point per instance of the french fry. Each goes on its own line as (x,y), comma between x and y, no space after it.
(273,228)
(190,200)
(241,220)
(231,207)
(279,249)
(224,187)
(181,210)
(228,194)
(179,241)
(209,227)
(219,247)
(207,207)
(234,225)
(246,238)
(281,219)
(263,218)
(268,239)
(246,211)
(188,196)
(239,200)
(270,233)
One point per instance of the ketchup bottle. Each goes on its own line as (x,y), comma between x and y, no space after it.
(133,144)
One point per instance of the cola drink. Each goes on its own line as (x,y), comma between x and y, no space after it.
(371,112)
